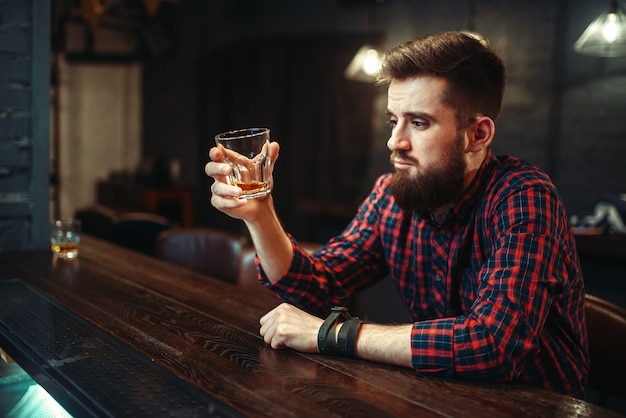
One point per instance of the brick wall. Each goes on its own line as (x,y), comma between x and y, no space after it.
(24,110)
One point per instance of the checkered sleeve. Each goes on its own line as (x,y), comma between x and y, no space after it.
(432,346)
(349,262)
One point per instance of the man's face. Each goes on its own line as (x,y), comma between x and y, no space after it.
(427,150)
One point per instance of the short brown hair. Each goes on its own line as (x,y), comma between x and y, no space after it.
(474,72)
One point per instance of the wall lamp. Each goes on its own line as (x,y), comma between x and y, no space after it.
(365,64)
(606,35)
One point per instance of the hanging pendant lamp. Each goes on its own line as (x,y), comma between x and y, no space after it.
(606,35)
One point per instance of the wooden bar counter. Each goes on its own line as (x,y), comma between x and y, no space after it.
(206,334)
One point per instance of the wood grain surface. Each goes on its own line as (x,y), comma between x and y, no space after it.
(207,332)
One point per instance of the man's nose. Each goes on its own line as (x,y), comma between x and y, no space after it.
(398,140)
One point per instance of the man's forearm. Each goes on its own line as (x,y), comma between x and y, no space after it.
(271,242)
(390,344)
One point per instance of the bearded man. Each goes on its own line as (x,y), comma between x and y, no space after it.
(479,246)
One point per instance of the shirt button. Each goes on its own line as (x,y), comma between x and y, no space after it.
(438,277)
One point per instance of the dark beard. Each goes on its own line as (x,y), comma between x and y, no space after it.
(436,187)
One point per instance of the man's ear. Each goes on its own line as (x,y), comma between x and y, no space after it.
(480,134)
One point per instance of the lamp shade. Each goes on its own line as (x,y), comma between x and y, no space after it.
(365,64)
(606,35)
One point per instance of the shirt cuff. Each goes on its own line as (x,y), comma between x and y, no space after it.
(290,279)
(432,346)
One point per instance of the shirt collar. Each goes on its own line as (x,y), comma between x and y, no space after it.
(471,193)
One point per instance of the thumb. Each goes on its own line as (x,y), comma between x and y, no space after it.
(273,151)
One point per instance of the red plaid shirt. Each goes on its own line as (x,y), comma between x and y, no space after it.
(496,290)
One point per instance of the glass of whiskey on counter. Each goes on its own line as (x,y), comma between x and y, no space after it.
(65,238)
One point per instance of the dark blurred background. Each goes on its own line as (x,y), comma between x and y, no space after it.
(116,102)
(201,67)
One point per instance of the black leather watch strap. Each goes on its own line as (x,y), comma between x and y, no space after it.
(346,339)
(326,334)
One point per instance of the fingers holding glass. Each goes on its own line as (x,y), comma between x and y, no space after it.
(246,151)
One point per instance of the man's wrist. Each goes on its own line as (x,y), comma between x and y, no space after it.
(346,338)
(326,334)
(341,342)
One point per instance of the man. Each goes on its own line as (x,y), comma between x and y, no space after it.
(479,246)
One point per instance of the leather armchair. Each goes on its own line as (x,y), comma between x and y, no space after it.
(138,231)
(207,251)
(606,328)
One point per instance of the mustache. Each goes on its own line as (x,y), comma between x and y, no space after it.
(403,156)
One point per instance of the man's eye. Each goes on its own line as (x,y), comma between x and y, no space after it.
(392,123)
(419,123)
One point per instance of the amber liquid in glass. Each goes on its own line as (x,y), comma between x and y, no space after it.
(65,250)
(250,187)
